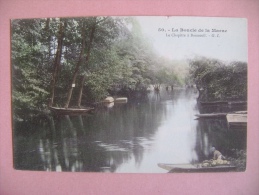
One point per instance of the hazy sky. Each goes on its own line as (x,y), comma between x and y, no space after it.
(229,45)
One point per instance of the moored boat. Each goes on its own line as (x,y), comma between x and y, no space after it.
(121,100)
(70,111)
(211,115)
(213,103)
(238,103)
(219,115)
(223,103)
(237,119)
(108,100)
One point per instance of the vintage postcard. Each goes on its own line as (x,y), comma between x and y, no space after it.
(149,94)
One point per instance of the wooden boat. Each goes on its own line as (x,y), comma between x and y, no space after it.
(121,100)
(238,103)
(223,103)
(241,112)
(237,119)
(218,115)
(108,100)
(213,103)
(211,115)
(70,111)
(195,168)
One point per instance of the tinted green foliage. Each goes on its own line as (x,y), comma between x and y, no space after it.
(29,67)
(96,55)
(216,80)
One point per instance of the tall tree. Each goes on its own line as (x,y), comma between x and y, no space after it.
(28,86)
(56,65)
(76,71)
(88,52)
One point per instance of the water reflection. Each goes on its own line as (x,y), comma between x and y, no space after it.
(132,137)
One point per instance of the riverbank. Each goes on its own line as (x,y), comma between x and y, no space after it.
(238,159)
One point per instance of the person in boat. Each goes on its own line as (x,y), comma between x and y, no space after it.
(217,154)
(218,159)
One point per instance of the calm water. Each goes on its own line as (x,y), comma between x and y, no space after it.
(126,138)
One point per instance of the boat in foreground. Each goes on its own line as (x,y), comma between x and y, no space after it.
(195,168)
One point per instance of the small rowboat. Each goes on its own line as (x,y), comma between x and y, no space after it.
(70,111)
(223,103)
(237,119)
(121,100)
(195,168)
(213,103)
(238,103)
(108,100)
(211,115)
(220,114)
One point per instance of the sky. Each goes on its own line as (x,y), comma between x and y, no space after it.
(182,38)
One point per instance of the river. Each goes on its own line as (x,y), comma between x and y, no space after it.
(126,138)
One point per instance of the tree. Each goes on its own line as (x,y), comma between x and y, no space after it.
(56,65)
(79,62)
(135,54)
(91,57)
(103,32)
(216,80)
(29,76)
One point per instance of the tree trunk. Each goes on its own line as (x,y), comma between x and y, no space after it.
(81,91)
(71,87)
(57,62)
(49,37)
(70,91)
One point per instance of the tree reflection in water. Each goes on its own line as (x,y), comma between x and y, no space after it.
(124,134)
(215,132)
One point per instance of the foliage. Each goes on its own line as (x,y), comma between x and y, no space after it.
(29,73)
(238,159)
(217,80)
(97,54)
(167,76)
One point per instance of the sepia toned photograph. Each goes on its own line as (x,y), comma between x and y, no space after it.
(129,94)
